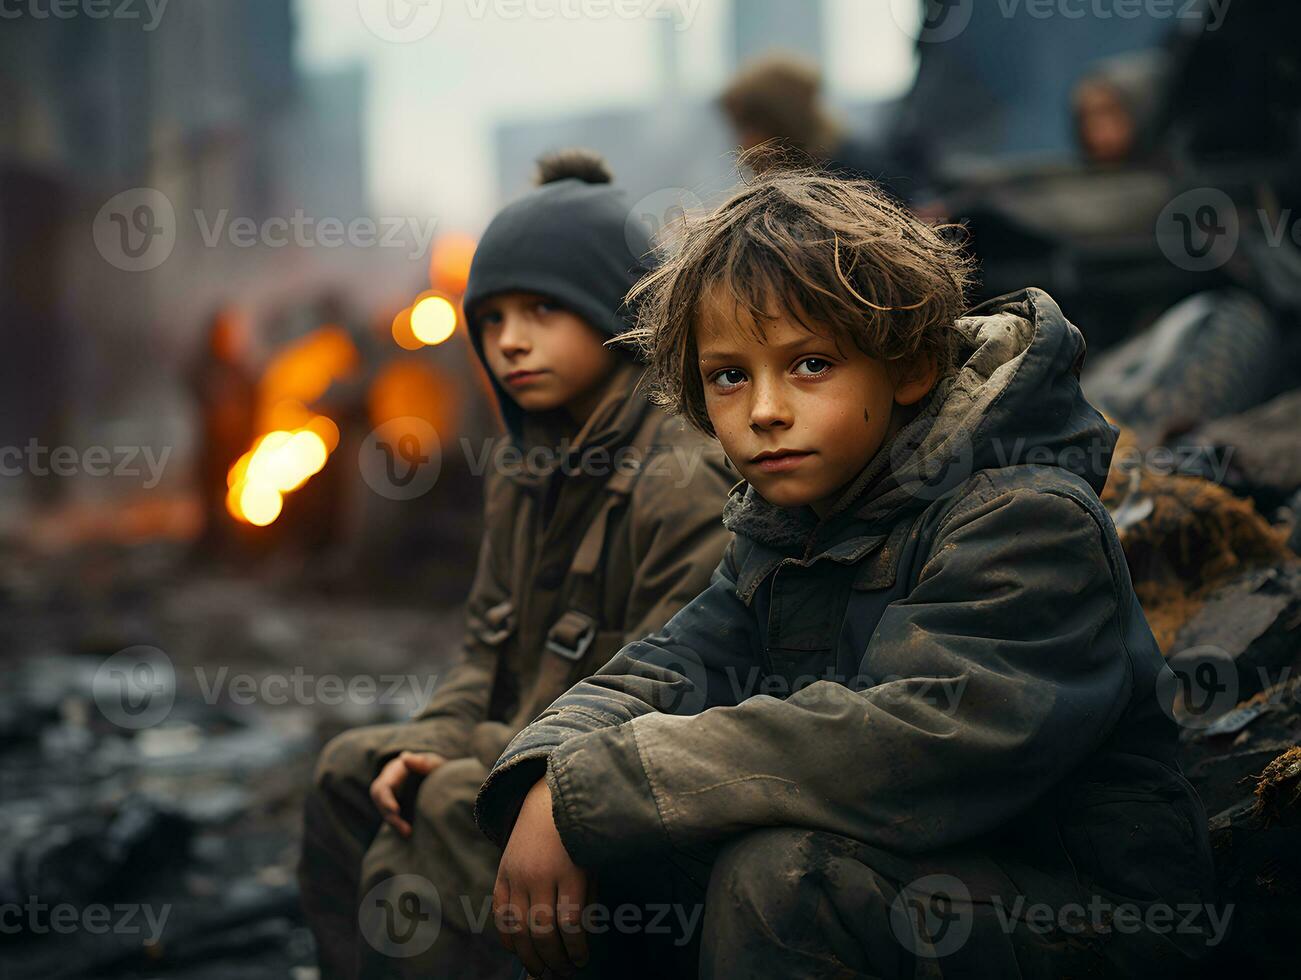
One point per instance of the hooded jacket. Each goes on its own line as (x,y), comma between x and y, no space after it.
(955,653)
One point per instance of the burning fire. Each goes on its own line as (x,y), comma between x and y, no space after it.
(296,441)
(279,463)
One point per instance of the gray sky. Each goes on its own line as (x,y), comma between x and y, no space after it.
(432,102)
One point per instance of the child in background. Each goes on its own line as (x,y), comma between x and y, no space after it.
(917,705)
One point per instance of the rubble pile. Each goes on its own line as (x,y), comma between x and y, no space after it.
(1210,542)
(1184,537)
(180,833)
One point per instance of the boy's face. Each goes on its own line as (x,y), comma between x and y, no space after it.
(1106,128)
(816,412)
(544,356)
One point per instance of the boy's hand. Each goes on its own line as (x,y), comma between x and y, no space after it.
(539,896)
(388,784)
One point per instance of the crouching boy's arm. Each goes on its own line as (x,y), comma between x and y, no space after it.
(1008,671)
(676,536)
(682,669)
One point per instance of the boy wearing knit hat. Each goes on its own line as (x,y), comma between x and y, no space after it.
(604,520)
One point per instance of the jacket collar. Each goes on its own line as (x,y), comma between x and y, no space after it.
(612,424)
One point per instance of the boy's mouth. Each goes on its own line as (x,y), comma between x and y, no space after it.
(522,377)
(779,460)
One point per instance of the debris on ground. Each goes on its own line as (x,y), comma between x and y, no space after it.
(1184,537)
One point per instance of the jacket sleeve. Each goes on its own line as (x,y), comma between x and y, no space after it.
(460,700)
(684,667)
(1008,670)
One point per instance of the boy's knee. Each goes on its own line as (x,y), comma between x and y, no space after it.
(351,757)
(772,876)
(446,796)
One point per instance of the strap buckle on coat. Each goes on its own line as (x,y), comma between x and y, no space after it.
(500,623)
(571,635)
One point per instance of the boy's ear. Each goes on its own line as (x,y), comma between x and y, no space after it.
(915,378)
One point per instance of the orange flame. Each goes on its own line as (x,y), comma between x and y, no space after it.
(296,442)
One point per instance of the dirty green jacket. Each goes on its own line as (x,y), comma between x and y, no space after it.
(662,540)
(956,650)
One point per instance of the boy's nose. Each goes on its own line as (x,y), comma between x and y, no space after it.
(513,338)
(768,410)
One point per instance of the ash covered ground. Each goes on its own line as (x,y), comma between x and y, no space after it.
(178,815)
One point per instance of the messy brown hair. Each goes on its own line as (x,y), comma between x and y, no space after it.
(839,256)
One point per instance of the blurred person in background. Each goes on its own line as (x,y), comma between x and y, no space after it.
(776,102)
(225,392)
(1116,107)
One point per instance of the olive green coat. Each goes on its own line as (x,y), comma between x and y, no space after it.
(663,535)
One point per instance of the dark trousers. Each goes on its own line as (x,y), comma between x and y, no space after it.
(795,903)
(776,902)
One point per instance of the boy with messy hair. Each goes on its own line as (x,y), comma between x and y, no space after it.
(912,725)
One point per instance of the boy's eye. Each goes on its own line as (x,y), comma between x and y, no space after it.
(728,378)
(489,318)
(816,365)
(545,306)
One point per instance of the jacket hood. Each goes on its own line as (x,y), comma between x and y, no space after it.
(1014,399)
